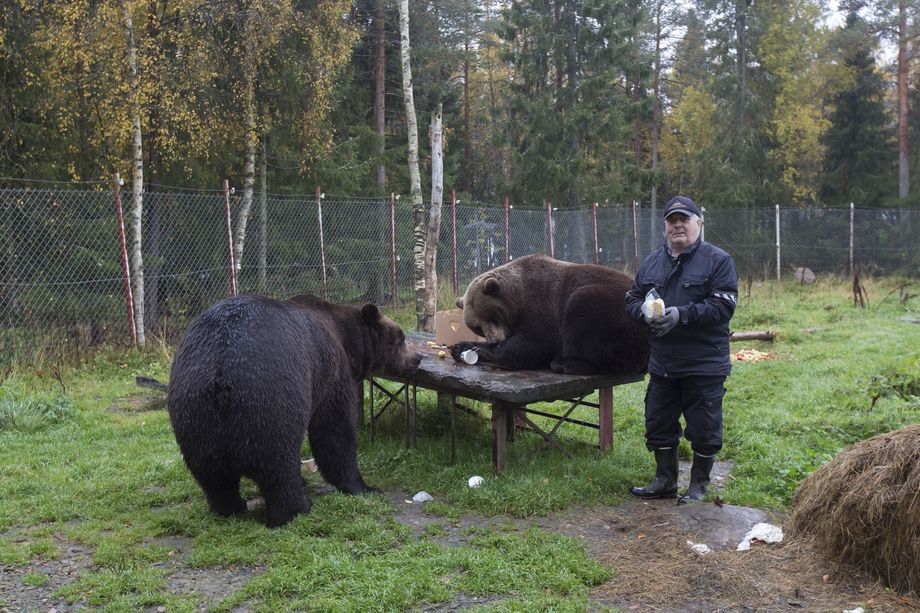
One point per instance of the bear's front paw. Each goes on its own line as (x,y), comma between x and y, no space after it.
(456,350)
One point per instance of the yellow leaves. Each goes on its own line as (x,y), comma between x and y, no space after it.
(792,50)
(688,132)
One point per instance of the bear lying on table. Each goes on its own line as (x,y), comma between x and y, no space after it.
(537,312)
(253,375)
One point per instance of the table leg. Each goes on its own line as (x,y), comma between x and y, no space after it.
(448,403)
(406,418)
(500,413)
(371,406)
(414,416)
(605,418)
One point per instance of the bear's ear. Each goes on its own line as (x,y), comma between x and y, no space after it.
(370,313)
(491,287)
(459,302)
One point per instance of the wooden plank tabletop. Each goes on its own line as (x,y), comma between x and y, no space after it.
(488,383)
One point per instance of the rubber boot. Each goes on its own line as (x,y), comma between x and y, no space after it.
(665,483)
(699,479)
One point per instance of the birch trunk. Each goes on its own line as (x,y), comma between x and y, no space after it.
(263,216)
(249,78)
(239,241)
(137,258)
(434,220)
(418,249)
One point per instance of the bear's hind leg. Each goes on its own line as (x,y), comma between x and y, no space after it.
(223,493)
(283,493)
(573,366)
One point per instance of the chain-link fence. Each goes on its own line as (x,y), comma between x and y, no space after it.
(62,283)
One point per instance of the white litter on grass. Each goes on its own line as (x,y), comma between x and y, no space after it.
(699,549)
(856,610)
(422,497)
(768,533)
(476,481)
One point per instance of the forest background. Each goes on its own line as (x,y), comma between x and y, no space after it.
(735,102)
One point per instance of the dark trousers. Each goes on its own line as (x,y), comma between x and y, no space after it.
(698,399)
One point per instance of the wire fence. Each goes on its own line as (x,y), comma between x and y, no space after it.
(62,280)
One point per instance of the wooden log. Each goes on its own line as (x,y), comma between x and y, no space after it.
(756,335)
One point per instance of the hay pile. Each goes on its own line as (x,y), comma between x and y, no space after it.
(863,508)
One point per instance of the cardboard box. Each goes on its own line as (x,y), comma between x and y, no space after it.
(449,328)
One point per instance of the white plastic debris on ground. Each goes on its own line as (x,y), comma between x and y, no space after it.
(699,549)
(856,610)
(422,497)
(476,481)
(768,533)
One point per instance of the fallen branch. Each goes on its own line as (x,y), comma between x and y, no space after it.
(764,335)
(756,335)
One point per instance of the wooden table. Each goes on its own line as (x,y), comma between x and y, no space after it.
(509,392)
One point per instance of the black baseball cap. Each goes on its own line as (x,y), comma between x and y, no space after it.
(680,204)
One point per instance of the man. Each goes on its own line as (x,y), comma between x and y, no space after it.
(689,357)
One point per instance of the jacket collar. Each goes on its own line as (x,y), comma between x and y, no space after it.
(686,255)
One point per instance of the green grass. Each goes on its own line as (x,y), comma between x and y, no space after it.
(82,462)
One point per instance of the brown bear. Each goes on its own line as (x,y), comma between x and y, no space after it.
(537,312)
(253,375)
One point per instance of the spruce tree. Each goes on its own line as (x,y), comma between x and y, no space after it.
(859,165)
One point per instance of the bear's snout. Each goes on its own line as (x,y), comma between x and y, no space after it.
(409,360)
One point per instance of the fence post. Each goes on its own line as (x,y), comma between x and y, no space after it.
(549,228)
(322,244)
(453,233)
(635,237)
(229,237)
(116,185)
(393,252)
(777,243)
(507,245)
(594,226)
(852,235)
(703,227)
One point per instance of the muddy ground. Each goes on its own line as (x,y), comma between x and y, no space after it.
(646,544)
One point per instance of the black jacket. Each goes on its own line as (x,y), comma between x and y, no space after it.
(703,284)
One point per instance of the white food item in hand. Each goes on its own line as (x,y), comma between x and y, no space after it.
(653,309)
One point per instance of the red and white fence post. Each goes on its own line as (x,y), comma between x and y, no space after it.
(453,234)
(392,213)
(635,237)
(126,270)
(594,227)
(507,245)
(852,238)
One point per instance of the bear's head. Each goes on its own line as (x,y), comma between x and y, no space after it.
(489,308)
(390,351)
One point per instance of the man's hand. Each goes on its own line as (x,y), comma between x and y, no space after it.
(666,322)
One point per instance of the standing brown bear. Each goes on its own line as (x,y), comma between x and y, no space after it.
(253,375)
(537,312)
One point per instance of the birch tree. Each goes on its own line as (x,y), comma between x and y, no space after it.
(434,219)
(418,209)
(137,178)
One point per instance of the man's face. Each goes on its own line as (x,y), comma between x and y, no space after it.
(682,231)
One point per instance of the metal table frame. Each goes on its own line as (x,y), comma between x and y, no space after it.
(509,394)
